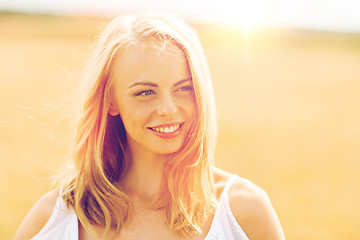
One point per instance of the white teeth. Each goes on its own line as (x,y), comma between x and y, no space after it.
(167,129)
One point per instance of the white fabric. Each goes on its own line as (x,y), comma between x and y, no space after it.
(224,225)
(63,223)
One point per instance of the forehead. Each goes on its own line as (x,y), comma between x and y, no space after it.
(150,63)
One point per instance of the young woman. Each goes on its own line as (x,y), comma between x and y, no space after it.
(144,147)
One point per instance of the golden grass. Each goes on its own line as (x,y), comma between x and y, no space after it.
(289,116)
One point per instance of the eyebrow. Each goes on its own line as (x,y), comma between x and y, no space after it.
(155,85)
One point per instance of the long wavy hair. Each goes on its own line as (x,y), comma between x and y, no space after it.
(93,191)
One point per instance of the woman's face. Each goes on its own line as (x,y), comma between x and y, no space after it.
(153,93)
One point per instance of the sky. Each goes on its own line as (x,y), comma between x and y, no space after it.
(333,15)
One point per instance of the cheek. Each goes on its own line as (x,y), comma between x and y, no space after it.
(189,105)
(134,115)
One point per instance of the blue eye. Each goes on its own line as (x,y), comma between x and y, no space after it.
(186,88)
(145,93)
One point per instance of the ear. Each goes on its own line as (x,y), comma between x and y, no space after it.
(113,109)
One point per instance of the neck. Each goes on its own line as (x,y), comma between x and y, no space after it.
(143,178)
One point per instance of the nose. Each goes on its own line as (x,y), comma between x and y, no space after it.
(167,106)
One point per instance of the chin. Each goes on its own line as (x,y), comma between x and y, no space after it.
(167,150)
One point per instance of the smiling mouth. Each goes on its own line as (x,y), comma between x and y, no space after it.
(166,128)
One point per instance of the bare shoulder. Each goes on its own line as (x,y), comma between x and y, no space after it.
(250,206)
(38,216)
(253,211)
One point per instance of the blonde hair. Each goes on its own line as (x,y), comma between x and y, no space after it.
(99,154)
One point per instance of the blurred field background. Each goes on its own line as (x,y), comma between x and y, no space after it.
(288,108)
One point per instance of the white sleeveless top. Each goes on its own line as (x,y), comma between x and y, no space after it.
(63,222)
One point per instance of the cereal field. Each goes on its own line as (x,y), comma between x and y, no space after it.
(288,110)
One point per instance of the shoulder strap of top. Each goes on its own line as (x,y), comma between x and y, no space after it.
(224,224)
(60,202)
(61,190)
(229,183)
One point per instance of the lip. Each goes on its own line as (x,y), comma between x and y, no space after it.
(167,135)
